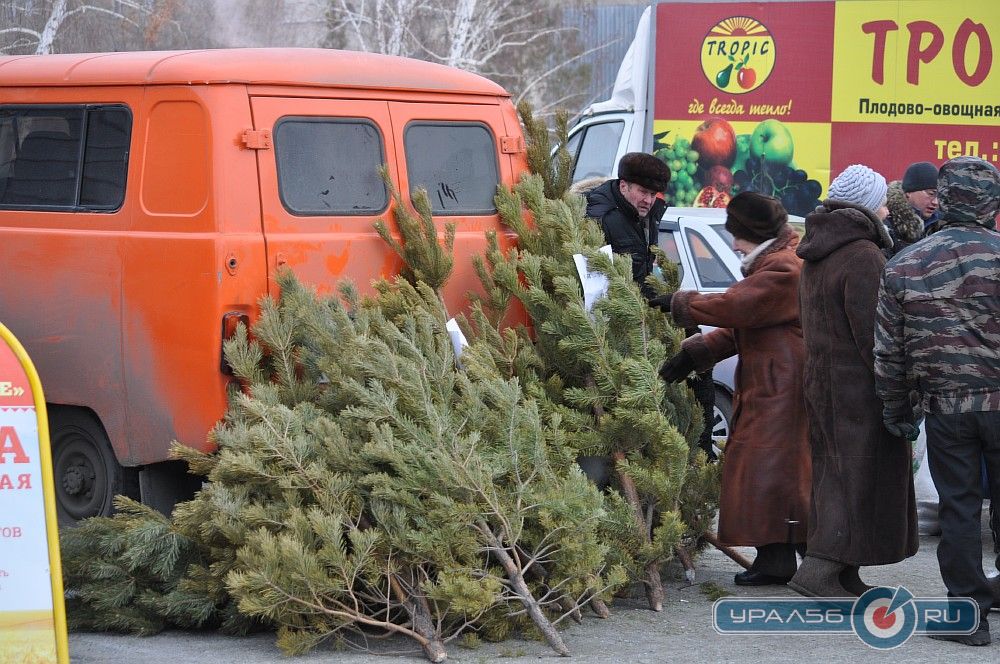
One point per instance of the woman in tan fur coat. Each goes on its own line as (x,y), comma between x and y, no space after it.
(766,467)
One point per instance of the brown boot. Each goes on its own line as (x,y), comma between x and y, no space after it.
(818,577)
(850,580)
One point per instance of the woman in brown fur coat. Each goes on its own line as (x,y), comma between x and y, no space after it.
(863,512)
(765,469)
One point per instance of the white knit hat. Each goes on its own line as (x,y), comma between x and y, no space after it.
(859,185)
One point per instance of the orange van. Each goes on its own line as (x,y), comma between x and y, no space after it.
(147,199)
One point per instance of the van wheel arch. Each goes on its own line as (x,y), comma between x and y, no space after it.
(86,473)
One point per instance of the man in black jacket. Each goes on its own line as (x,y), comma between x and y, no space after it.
(913,206)
(630,211)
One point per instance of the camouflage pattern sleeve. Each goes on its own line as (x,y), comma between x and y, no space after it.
(890,353)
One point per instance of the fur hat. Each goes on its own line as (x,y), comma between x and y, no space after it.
(861,186)
(919,176)
(755,217)
(644,170)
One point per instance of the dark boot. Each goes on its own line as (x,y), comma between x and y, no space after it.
(852,582)
(818,577)
(754,578)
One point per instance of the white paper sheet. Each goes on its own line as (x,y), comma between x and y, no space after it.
(595,284)
(458,340)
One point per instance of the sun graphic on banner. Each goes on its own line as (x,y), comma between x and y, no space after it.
(738,26)
(737,54)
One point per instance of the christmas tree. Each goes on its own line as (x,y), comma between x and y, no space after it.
(371,479)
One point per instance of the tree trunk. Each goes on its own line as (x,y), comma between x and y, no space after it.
(568,606)
(686,562)
(599,608)
(520,587)
(654,586)
(420,618)
(52,25)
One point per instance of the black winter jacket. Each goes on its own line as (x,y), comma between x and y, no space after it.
(623,229)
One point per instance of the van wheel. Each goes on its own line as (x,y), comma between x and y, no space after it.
(87,474)
(722,418)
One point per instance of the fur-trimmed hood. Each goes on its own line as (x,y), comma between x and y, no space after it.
(835,224)
(586,185)
(906,223)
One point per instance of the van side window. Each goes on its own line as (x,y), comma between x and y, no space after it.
(596,155)
(64,156)
(456,163)
(330,166)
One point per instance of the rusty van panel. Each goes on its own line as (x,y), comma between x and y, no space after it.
(192,256)
(62,299)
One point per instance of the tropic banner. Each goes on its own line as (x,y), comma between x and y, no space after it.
(778,96)
(32,613)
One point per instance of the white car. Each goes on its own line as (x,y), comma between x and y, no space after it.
(697,240)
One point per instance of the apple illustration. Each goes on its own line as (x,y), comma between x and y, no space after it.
(772,142)
(746,77)
(715,143)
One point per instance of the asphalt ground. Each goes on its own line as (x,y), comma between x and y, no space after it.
(683,631)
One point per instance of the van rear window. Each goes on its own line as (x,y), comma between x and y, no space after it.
(59,157)
(330,166)
(456,163)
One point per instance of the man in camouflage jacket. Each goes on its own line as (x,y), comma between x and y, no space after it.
(938,333)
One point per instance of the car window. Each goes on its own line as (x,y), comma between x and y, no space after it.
(456,163)
(330,166)
(726,236)
(64,156)
(596,156)
(573,144)
(668,243)
(712,272)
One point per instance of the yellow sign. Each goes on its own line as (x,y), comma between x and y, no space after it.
(32,612)
(737,54)
(918,62)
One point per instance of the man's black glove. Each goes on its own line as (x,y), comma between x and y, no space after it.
(662,302)
(901,420)
(678,367)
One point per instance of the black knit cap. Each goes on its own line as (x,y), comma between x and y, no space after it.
(755,217)
(920,176)
(644,170)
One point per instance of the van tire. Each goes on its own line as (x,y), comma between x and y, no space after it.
(86,474)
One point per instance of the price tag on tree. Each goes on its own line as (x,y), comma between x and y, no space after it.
(32,613)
